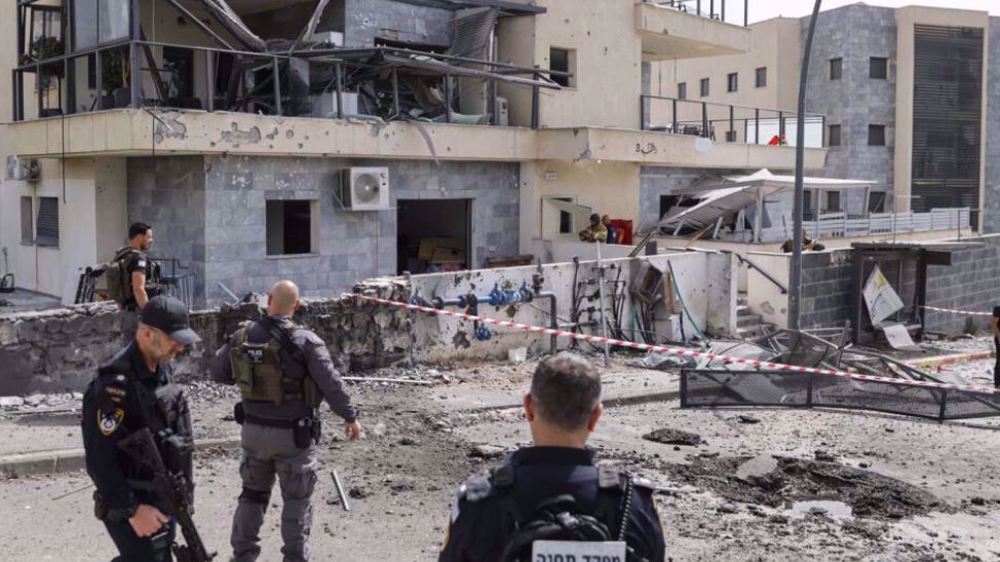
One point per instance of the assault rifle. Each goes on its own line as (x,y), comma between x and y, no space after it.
(173,488)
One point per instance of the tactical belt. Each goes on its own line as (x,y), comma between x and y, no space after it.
(270,422)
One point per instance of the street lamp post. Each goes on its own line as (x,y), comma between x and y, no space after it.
(795,275)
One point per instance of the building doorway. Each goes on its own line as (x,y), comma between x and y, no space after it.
(433,235)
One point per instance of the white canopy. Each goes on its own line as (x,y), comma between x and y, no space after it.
(735,193)
(766,177)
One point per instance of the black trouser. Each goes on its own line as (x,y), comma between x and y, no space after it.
(134,549)
(996,366)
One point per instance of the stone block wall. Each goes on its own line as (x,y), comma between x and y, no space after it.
(60,350)
(971,282)
(855,33)
(56,350)
(655,181)
(826,289)
(169,194)
(352,245)
(210,213)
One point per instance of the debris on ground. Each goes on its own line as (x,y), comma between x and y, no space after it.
(669,436)
(868,493)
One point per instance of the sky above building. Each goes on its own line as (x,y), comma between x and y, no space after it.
(766,9)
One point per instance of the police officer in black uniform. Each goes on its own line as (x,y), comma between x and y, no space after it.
(135,391)
(553,490)
(283,372)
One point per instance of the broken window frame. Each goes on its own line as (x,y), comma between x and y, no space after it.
(269,95)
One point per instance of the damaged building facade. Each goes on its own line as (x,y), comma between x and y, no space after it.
(338,140)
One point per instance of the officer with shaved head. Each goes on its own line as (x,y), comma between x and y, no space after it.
(284,372)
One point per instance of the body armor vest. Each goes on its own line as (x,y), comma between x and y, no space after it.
(260,375)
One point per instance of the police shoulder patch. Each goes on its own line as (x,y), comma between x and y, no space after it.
(141,263)
(110,422)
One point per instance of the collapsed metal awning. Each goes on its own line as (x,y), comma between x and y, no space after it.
(714,205)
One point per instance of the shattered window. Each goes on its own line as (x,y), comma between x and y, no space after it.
(563,60)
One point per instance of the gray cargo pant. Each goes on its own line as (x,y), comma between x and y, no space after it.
(129,326)
(267,452)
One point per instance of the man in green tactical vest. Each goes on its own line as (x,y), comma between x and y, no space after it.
(284,372)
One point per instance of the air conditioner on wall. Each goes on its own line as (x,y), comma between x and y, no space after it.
(23,169)
(365,189)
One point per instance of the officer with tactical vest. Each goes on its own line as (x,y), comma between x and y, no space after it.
(133,278)
(553,491)
(132,392)
(283,372)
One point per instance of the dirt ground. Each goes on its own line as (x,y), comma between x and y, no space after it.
(757,484)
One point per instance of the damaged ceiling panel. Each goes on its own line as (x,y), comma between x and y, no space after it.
(225,15)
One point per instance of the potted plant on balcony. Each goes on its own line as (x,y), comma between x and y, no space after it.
(115,79)
(42,48)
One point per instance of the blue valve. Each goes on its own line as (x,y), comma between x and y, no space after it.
(483,333)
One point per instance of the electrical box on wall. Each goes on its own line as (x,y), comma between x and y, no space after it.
(365,189)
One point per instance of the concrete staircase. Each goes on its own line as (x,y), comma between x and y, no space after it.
(749,324)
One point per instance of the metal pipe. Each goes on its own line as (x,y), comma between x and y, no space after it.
(340,491)
(276,69)
(395,91)
(485,299)
(447,98)
(600,292)
(339,69)
(210,83)
(795,275)
(535,103)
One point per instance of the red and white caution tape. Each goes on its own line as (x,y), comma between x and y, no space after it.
(681,351)
(956,311)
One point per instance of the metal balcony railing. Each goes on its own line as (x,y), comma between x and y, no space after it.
(728,122)
(713,9)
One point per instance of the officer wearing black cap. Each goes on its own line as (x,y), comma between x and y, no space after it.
(553,491)
(131,392)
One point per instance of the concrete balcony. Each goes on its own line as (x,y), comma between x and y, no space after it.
(651,148)
(129,132)
(672,33)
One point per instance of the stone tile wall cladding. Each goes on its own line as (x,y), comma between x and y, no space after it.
(855,33)
(210,212)
(655,182)
(970,283)
(60,350)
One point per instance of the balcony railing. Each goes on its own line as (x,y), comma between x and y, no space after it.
(729,123)
(843,225)
(713,9)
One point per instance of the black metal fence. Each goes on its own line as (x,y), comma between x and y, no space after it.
(708,388)
(729,122)
(713,9)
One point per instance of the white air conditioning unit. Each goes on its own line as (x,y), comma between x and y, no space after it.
(365,189)
(503,111)
(325,105)
(23,169)
(332,38)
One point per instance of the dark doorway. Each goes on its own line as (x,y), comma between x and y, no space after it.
(433,235)
(668,202)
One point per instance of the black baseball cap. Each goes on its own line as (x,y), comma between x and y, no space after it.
(170,316)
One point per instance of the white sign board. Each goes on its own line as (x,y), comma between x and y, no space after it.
(880,297)
(575,551)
